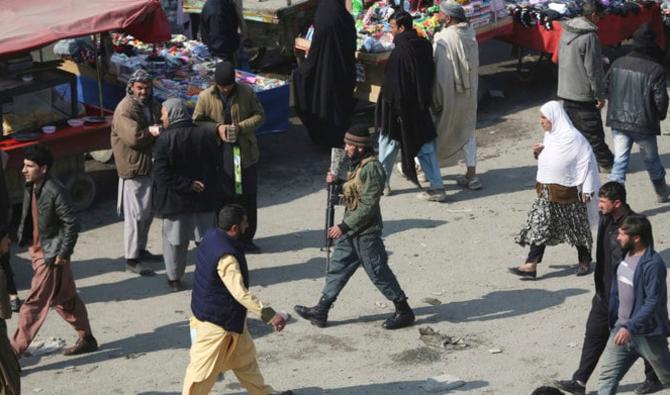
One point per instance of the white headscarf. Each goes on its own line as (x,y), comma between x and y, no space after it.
(567,158)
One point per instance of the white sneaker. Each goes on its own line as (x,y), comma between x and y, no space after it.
(433,195)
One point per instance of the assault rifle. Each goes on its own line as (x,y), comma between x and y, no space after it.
(336,158)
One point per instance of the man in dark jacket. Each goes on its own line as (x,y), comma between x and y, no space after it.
(638,102)
(614,210)
(580,78)
(50,229)
(358,237)
(219,26)
(187,191)
(638,311)
(403,109)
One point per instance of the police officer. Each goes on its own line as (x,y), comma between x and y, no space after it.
(358,238)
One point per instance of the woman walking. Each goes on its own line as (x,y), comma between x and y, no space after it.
(567,181)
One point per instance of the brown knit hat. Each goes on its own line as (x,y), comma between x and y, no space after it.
(358,135)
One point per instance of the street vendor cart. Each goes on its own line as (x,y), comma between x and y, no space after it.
(73,129)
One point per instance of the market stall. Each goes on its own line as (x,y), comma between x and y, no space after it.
(613,29)
(39,102)
(270,23)
(489,18)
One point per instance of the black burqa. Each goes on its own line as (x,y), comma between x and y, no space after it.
(403,106)
(324,82)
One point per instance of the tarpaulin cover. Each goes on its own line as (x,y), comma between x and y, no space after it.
(29,24)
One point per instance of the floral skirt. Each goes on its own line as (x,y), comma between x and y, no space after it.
(552,223)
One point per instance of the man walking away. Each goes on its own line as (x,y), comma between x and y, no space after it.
(134,130)
(220,302)
(403,109)
(50,229)
(581,78)
(638,308)
(638,102)
(614,210)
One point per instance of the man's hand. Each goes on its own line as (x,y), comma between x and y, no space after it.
(330,177)
(537,149)
(197,186)
(278,323)
(622,337)
(335,232)
(4,245)
(60,261)
(600,104)
(155,130)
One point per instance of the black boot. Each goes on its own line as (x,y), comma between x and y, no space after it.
(403,316)
(317,315)
(662,191)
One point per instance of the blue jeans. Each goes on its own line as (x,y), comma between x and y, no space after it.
(388,151)
(623,142)
(618,359)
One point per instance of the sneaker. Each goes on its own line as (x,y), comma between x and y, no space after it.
(82,346)
(15,304)
(649,387)
(433,195)
(135,266)
(571,386)
(421,176)
(470,183)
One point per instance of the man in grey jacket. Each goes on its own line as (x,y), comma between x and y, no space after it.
(581,78)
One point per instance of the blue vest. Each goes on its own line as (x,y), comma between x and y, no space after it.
(210,299)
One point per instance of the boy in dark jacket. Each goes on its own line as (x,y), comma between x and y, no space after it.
(638,102)
(638,308)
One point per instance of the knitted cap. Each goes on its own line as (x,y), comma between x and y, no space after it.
(453,9)
(358,135)
(224,73)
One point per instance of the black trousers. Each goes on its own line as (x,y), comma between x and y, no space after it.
(537,252)
(595,339)
(11,285)
(586,118)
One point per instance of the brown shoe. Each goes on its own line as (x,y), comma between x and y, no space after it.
(82,346)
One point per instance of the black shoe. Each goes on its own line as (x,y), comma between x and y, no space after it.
(251,248)
(401,318)
(15,304)
(571,386)
(135,266)
(175,285)
(521,273)
(317,315)
(82,346)
(583,269)
(146,256)
(649,387)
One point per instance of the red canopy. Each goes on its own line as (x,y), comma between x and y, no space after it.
(29,24)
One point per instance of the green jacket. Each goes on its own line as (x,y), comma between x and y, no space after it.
(246,111)
(362,192)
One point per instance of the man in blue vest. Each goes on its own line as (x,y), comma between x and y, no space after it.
(220,302)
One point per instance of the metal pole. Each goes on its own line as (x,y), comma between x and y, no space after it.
(98,66)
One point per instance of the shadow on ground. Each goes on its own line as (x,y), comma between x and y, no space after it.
(393,388)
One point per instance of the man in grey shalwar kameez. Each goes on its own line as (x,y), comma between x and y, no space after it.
(134,130)
(186,191)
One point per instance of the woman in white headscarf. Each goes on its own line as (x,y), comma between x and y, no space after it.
(567,181)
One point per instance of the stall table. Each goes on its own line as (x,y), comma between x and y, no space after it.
(375,63)
(612,30)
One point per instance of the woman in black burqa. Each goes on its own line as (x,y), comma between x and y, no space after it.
(324,82)
(403,106)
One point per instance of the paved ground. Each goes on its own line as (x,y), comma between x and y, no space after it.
(457,253)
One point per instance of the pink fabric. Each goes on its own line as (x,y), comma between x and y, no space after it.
(49,286)
(30,24)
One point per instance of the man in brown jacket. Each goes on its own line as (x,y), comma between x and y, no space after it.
(134,130)
(237,113)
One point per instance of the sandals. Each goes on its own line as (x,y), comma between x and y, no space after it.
(471,183)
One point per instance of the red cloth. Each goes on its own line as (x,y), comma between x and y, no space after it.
(30,24)
(612,30)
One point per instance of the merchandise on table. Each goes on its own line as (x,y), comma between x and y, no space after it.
(374,31)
